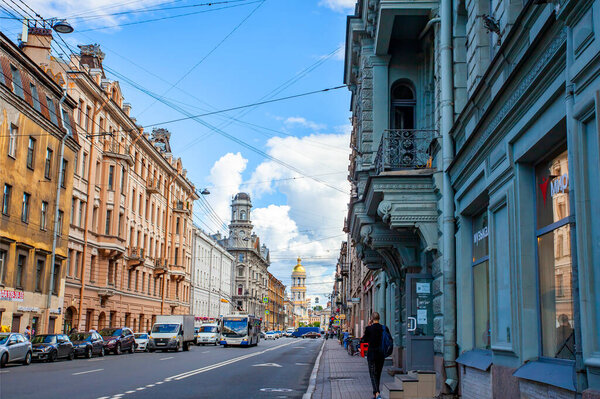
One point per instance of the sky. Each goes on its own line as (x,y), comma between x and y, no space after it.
(291,156)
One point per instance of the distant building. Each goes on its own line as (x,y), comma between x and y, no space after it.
(299,293)
(212,277)
(275,319)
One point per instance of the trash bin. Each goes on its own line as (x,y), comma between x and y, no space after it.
(364,348)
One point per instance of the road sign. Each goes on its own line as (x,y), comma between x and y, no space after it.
(266,312)
(266,299)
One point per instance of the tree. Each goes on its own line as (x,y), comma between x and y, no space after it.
(316,324)
(318,307)
(302,324)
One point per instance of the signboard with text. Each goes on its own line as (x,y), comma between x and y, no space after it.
(13,296)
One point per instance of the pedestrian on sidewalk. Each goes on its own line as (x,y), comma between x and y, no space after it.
(27,333)
(375,357)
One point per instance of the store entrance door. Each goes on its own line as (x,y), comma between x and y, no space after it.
(419,323)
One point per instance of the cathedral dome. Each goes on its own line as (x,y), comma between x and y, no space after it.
(299,268)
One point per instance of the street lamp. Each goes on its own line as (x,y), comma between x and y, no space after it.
(61,26)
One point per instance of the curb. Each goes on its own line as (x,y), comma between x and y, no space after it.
(313,376)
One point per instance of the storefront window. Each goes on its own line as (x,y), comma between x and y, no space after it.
(481,283)
(554,258)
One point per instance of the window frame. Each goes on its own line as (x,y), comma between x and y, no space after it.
(25,207)
(31,153)
(35,97)
(17,86)
(44,215)
(474,264)
(51,110)
(48,163)
(6,197)
(13,138)
(63,178)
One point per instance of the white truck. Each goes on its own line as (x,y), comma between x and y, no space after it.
(174,332)
(208,334)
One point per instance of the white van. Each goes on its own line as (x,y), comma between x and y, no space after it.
(208,334)
(288,332)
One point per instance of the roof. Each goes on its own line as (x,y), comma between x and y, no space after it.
(299,268)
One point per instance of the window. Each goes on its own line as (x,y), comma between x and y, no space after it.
(48,163)
(554,266)
(39,275)
(51,110)
(481,283)
(81,215)
(12,141)
(83,165)
(241,257)
(111,175)
(80,112)
(122,179)
(67,122)
(240,289)
(6,199)
(177,226)
(403,107)
(73,206)
(63,177)
(25,209)
(176,255)
(240,271)
(60,222)
(30,152)
(3,265)
(88,118)
(56,279)
(44,215)
(243,215)
(108,221)
(76,264)
(21,263)
(17,84)
(93,268)
(35,97)
(120,224)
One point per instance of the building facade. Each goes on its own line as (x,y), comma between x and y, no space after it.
(251,288)
(275,319)
(129,250)
(38,147)
(212,277)
(475,157)
(298,292)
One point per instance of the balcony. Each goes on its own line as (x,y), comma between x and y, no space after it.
(177,272)
(160,266)
(114,149)
(180,207)
(136,257)
(406,149)
(153,186)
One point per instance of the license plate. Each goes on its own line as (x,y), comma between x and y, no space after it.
(160,343)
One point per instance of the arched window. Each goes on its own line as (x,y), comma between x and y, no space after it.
(240,289)
(402,106)
(243,215)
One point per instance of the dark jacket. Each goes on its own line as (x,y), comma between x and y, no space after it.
(372,336)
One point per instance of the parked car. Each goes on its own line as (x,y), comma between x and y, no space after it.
(279,334)
(141,341)
(311,334)
(118,340)
(51,347)
(288,332)
(263,335)
(14,347)
(87,344)
(270,335)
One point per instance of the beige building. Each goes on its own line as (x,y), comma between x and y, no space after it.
(38,147)
(129,250)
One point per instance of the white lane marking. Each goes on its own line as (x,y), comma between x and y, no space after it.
(4,372)
(129,391)
(302,364)
(267,365)
(140,388)
(205,352)
(313,376)
(159,382)
(224,363)
(104,397)
(86,372)
(167,358)
(149,385)
(95,360)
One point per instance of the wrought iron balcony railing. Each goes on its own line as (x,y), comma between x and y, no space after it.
(402,149)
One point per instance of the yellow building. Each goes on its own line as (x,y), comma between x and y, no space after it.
(275,318)
(299,293)
(35,133)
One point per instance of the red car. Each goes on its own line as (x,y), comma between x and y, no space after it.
(118,340)
(311,334)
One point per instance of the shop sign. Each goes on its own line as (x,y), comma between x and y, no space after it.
(13,296)
(480,235)
(28,309)
(55,311)
(355,300)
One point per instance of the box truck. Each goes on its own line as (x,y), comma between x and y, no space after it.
(174,332)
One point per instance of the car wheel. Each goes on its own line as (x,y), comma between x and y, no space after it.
(52,356)
(102,353)
(132,349)
(118,349)
(88,353)
(151,350)
(4,360)
(71,355)
(27,360)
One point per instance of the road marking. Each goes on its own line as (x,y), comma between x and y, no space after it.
(159,382)
(140,388)
(4,372)
(95,360)
(313,376)
(267,365)
(149,385)
(86,372)
(276,390)
(166,358)
(129,391)
(302,364)
(205,352)
(104,397)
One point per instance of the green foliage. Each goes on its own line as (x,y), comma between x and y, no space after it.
(318,307)
(316,324)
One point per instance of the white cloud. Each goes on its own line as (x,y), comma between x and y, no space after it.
(298,120)
(225,179)
(339,5)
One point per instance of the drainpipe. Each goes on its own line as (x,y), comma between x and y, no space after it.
(430,23)
(57,205)
(448,256)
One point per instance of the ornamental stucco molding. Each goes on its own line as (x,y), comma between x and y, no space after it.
(412,218)
(515,98)
(392,186)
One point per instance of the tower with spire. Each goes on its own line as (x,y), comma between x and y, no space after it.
(299,292)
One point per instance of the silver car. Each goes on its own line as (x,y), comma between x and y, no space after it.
(14,347)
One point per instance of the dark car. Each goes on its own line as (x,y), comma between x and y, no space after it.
(51,347)
(311,334)
(87,344)
(118,340)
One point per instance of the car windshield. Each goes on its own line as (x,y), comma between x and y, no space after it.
(208,329)
(80,337)
(165,328)
(141,336)
(235,327)
(44,339)
(270,332)
(111,332)
(3,338)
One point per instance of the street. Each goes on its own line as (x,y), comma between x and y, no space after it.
(273,369)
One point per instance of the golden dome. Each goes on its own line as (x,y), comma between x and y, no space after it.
(299,268)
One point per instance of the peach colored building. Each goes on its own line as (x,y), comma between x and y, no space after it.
(129,250)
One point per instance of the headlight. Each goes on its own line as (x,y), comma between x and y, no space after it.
(81,346)
(45,349)
(112,341)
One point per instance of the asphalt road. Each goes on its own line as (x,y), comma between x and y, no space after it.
(273,369)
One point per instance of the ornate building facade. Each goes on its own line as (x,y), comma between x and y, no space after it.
(298,292)
(251,289)
(275,319)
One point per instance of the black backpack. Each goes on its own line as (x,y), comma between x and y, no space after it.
(387,342)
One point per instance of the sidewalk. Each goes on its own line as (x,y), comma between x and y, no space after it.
(342,376)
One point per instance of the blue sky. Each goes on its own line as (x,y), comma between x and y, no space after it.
(294,215)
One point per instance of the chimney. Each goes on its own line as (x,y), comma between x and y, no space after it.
(126,108)
(91,56)
(37,46)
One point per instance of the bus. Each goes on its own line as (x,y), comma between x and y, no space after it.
(240,330)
